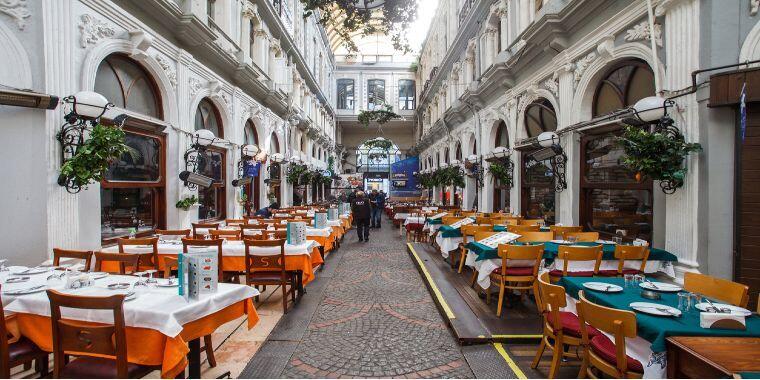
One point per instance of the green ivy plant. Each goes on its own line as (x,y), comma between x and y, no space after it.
(500,172)
(295,174)
(92,159)
(659,155)
(378,143)
(426,180)
(187,202)
(450,176)
(382,114)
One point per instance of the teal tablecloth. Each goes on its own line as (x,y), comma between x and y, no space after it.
(485,252)
(449,232)
(750,375)
(434,221)
(651,328)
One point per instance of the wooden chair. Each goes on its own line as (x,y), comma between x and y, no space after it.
(531,222)
(90,343)
(281,234)
(600,352)
(478,236)
(561,329)
(519,229)
(208,226)
(520,278)
(625,253)
(269,269)
(483,220)
(588,237)
(86,256)
(172,234)
(570,254)
(226,234)
(21,352)
(505,221)
(213,243)
(234,222)
(560,231)
(149,259)
(170,264)
(468,231)
(717,288)
(123,259)
(535,236)
(249,230)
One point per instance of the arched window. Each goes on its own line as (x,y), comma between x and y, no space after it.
(446,158)
(458,152)
(376,159)
(127,85)
(249,134)
(302,144)
(502,135)
(274,144)
(314,151)
(253,190)
(132,194)
(624,85)
(207,117)
(213,164)
(540,117)
(611,197)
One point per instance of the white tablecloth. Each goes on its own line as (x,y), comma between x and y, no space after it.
(414,220)
(229,248)
(156,308)
(401,216)
(447,244)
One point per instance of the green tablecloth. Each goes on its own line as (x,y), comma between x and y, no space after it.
(750,375)
(434,221)
(485,252)
(449,232)
(651,328)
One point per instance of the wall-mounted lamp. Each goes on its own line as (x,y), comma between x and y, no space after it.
(651,109)
(200,141)
(84,111)
(193,180)
(553,153)
(28,99)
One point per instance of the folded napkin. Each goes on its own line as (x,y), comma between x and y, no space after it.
(722,321)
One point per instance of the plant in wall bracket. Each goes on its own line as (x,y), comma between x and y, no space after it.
(658,154)
(501,172)
(295,172)
(91,161)
(450,176)
(382,114)
(187,202)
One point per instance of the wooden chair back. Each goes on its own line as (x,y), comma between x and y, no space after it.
(509,252)
(535,236)
(717,288)
(86,256)
(569,253)
(124,260)
(471,230)
(507,221)
(588,237)
(449,220)
(86,339)
(483,220)
(518,228)
(208,226)
(280,234)
(560,231)
(621,324)
(170,264)
(470,214)
(482,235)
(146,259)
(226,234)
(234,222)
(173,234)
(631,252)
(273,262)
(531,222)
(213,243)
(550,299)
(248,230)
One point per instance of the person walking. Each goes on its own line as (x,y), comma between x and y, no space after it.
(362,213)
(378,205)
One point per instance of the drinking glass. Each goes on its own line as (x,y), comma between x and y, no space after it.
(638,278)
(696,298)
(684,301)
(617,240)
(629,280)
(572,239)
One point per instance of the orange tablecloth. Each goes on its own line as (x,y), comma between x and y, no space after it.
(147,346)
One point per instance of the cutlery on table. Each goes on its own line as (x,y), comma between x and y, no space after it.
(19,291)
(650,283)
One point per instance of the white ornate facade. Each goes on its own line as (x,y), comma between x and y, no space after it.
(256,63)
(499,57)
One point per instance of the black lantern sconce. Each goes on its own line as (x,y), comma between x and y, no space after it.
(86,109)
(551,151)
(196,154)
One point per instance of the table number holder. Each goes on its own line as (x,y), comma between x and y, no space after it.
(320,220)
(198,274)
(296,233)
(332,213)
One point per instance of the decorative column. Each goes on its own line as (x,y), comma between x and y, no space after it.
(568,199)
(261,49)
(682,221)
(248,15)
(504,23)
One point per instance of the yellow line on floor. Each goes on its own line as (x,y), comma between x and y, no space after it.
(517,336)
(500,349)
(433,286)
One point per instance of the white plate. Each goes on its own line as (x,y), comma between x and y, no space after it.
(30,290)
(605,241)
(660,286)
(735,310)
(32,271)
(603,287)
(560,242)
(165,284)
(655,309)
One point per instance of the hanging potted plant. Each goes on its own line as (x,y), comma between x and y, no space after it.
(382,114)
(658,154)
(501,174)
(295,172)
(89,165)
(187,202)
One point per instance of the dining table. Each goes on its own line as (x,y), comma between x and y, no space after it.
(650,346)
(485,259)
(301,258)
(163,328)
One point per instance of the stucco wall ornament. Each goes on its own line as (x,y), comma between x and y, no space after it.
(168,68)
(17,10)
(552,84)
(582,64)
(754,6)
(641,32)
(93,30)
(195,86)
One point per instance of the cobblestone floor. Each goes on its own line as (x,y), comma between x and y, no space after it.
(377,319)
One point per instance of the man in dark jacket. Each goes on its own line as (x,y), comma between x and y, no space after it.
(362,212)
(267,211)
(378,205)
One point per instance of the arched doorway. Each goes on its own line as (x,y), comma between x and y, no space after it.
(611,199)
(253,191)
(275,172)
(213,199)
(374,158)
(537,181)
(133,191)
(501,199)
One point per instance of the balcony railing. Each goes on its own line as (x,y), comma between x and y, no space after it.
(466,7)
(283,10)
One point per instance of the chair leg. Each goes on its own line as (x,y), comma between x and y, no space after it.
(43,365)
(209,351)
(474,278)
(501,299)
(462,257)
(556,360)
(284,299)
(583,373)
(488,295)
(539,354)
